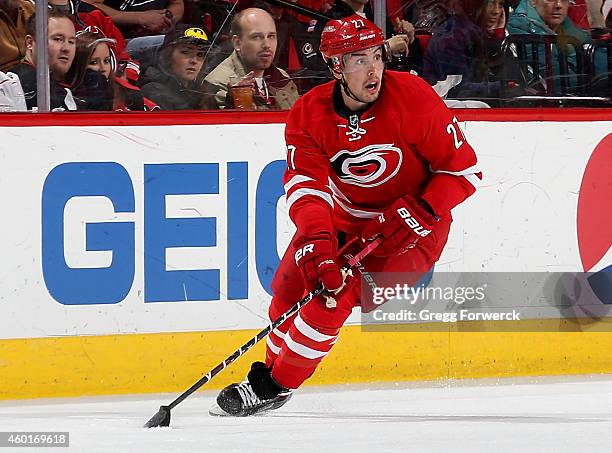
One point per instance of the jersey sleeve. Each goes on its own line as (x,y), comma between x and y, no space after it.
(309,200)
(452,161)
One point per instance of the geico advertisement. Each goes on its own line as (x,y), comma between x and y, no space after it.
(140,229)
(180,228)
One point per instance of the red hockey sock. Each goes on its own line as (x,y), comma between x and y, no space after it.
(275,340)
(302,350)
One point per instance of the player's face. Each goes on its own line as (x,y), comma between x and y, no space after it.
(363,73)
(186,62)
(257,42)
(62,46)
(100,60)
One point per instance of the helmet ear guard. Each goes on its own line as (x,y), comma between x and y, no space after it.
(333,63)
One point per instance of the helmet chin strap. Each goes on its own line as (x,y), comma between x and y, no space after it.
(348,91)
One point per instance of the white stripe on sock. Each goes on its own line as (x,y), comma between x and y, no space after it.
(311,333)
(302,350)
(275,349)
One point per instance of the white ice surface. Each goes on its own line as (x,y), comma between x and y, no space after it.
(536,415)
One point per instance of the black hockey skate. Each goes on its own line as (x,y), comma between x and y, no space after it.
(256,395)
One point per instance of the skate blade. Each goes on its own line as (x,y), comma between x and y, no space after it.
(216,411)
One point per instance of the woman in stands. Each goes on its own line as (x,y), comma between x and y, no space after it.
(469,44)
(91,72)
(175,82)
(95,84)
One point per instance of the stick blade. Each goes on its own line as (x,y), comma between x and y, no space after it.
(160,419)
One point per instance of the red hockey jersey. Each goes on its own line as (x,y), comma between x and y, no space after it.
(344,168)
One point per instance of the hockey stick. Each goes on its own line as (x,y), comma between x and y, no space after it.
(162,417)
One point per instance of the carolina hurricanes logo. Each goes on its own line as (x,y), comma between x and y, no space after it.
(370,166)
(307,49)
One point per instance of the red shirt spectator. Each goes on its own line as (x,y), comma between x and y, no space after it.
(579,14)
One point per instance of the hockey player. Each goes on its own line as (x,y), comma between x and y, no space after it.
(373,154)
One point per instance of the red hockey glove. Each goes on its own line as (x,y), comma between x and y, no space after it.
(315,257)
(401,227)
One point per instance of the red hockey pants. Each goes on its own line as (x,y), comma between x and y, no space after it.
(296,348)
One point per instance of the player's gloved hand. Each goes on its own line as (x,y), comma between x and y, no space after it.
(400,227)
(315,256)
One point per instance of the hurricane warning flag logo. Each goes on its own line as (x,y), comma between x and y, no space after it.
(369,166)
(594,219)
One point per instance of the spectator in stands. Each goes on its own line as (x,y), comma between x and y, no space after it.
(549,17)
(426,15)
(544,17)
(469,44)
(142,18)
(127,96)
(91,73)
(14,15)
(254,40)
(61,49)
(294,37)
(85,15)
(94,80)
(175,82)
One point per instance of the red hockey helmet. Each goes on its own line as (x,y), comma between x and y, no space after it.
(348,35)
